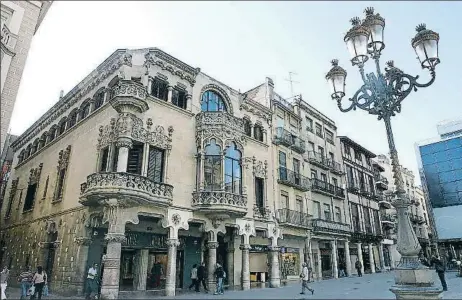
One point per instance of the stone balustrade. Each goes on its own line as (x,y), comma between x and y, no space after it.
(320,225)
(220,203)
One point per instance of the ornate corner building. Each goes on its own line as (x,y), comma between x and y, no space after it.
(20,20)
(149,166)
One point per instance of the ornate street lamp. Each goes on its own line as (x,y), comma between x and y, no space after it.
(381,95)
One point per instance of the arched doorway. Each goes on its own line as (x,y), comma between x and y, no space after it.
(50,249)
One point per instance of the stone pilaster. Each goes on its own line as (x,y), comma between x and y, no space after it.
(319,266)
(124,146)
(212,264)
(83,243)
(170,94)
(170,282)
(230,260)
(141,270)
(360,256)
(245,275)
(347,258)
(188,102)
(371,258)
(334,258)
(110,284)
(381,257)
(275,277)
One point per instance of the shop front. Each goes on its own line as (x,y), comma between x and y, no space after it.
(259,263)
(289,260)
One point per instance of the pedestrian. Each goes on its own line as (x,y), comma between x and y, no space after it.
(38,281)
(305,277)
(25,278)
(4,276)
(91,282)
(219,275)
(201,276)
(358,267)
(440,269)
(194,281)
(156,273)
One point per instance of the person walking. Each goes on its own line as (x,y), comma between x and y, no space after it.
(156,273)
(358,267)
(440,268)
(201,276)
(38,281)
(92,281)
(194,281)
(219,275)
(25,278)
(305,277)
(4,276)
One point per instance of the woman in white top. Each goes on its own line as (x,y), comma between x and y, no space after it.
(39,280)
(4,275)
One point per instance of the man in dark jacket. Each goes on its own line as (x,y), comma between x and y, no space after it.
(202,275)
(358,267)
(440,269)
(220,276)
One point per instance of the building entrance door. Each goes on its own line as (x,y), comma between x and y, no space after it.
(157,270)
(127,269)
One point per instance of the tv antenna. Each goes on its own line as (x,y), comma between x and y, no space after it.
(291,81)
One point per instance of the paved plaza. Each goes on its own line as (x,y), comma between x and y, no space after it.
(374,286)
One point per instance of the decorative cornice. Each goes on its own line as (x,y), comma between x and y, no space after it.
(96,77)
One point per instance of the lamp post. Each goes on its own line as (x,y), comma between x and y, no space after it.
(381,94)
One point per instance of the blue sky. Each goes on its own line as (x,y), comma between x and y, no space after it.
(240,43)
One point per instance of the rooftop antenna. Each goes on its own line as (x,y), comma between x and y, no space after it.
(291,81)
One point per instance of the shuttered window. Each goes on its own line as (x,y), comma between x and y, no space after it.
(155,164)
(135,159)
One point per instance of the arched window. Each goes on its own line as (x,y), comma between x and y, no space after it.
(51,134)
(211,101)
(258,132)
(212,167)
(72,119)
(247,127)
(62,127)
(21,156)
(28,150)
(233,176)
(84,110)
(42,141)
(99,99)
(34,147)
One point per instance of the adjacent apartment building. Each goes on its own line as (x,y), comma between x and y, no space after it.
(20,20)
(149,166)
(440,166)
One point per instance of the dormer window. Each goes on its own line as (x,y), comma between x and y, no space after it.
(211,101)
(159,89)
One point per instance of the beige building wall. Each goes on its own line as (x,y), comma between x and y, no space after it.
(20,21)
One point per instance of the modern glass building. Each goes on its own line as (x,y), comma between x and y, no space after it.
(440,166)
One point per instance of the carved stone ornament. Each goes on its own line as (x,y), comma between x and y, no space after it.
(82,241)
(255,109)
(126,59)
(245,247)
(211,245)
(173,243)
(222,126)
(34,177)
(115,238)
(64,157)
(176,219)
(248,228)
(130,126)
(111,263)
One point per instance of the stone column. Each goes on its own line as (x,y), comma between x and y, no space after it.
(170,282)
(149,86)
(371,258)
(347,258)
(110,284)
(245,275)
(392,261)
(381,256)
(319,266)
(189,102)
(81,260)
(141,270)
(334,258)
(170,94)
(230,260)
(275,277)
(124,145)
(212,263)
(360,256)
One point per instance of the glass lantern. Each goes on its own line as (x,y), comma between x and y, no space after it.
(425,44)
(336,78)
(376,25)
(356,40)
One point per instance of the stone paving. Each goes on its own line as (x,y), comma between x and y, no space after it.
(370,286)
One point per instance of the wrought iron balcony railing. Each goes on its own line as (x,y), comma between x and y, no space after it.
(318,159)
(132,188)
(295,180)
(286,138)
(320,225)
(335,167)
(294,218)
(329,189)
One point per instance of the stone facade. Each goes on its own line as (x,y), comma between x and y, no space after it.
(149,166)
(20,21)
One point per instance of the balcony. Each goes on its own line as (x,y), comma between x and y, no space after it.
(417,219)
(335,167)
(381,182)
(262,213)
(325,226)
(384,202)
(285,138)
(388,221)
(220,203)
(131,189)
(292,179)
(318,159)
(293,218)
(327,189)
(220,124)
